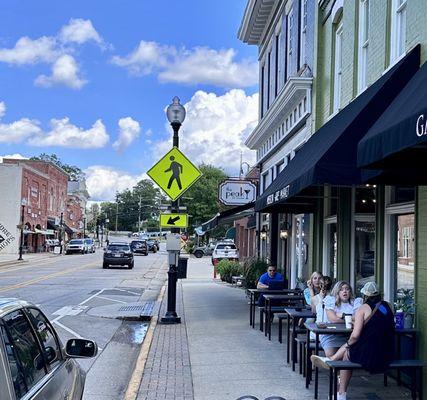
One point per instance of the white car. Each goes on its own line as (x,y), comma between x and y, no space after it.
(225,250)
(76,246)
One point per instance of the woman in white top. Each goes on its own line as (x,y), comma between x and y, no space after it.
(339,304)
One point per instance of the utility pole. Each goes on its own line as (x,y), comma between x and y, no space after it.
(84,227)
(139,214)
(61,230)
(117,214)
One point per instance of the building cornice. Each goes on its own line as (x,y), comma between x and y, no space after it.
(289,98)
(254,20)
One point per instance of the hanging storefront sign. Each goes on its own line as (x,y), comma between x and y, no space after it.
(236,192)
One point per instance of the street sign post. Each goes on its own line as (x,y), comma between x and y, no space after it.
(173,220)
(174,173)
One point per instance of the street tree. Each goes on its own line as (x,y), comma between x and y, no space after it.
(75,173)
(201,199)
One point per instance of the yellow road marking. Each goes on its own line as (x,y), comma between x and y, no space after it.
(45,277)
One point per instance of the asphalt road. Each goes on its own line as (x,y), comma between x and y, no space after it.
(73,291)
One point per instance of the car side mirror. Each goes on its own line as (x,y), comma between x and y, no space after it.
(81,348)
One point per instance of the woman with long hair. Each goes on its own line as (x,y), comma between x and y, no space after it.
(340,303)
(312,289)
(371,343)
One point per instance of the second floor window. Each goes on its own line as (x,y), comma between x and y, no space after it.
(362,64)
(303,32)
(337,68)
(398,29)
(289,41)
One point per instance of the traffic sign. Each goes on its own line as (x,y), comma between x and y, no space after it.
(173,220)
(174,173)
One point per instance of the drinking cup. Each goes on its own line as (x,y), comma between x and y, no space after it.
(348,321)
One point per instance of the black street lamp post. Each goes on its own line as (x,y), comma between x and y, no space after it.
(21,238)
(176,115)
(61,232)
(84,227)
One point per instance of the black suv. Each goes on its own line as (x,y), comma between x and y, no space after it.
(118,254)
(139,246)
(153,245)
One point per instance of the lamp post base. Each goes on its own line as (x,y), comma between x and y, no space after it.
(170,318)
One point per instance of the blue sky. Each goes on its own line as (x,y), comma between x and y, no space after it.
(89,81)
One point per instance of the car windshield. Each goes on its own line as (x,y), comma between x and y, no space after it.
(76,241)
(226,246)
(137,243)
(118,247)
(88,240)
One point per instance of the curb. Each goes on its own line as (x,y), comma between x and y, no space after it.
(135,380)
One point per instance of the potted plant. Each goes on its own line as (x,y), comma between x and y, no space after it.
(406,303)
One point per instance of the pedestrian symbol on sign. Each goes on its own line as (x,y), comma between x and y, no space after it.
(176,169)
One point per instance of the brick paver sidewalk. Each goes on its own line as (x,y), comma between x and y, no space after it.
(167,372)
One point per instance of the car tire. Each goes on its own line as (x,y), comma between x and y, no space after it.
(130,266)
(105,265)
(198,254)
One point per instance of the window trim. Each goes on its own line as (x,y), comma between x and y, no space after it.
(397,34)
(363,45)
(337,76)
(302,33)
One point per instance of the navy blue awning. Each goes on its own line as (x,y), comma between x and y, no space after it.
(330,155)
(397,142)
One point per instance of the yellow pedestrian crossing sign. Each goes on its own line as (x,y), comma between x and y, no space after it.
(173,220)
(174,173)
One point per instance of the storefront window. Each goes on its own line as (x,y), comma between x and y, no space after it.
(405,254)
(364,253)
(332,243)
(302,229)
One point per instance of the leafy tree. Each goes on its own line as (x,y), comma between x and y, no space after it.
(75,173)
(202,198)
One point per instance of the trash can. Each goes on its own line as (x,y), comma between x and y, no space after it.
(182,267)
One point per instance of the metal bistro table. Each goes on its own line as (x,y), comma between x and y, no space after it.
(291,300)
(255,293)
(294,315)
(331,329)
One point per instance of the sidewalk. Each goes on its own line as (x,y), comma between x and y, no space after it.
(215,355)
(12,259)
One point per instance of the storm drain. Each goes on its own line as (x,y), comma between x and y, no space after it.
(145,311)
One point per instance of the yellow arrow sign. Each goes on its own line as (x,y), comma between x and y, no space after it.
(173,220)
(174,173)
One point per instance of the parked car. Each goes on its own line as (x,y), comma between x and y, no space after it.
(206,250)
(90,245)
(139,247)
(118,253)
(76,246)
(153,245)
(225,250)
(35,364)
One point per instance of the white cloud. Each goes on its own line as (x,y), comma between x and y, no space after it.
(208,66)
(103,182)
(200,65)
(65,134)
(146,58)
(80,31)
(64,72)
(62,133)
(129,130)
(17,131)
(16,156)
(28,51)
(2,109)
(216,128)
(148,132)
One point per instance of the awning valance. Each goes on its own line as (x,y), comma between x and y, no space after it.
(229,215)
(397,142)
(330,155)
(46,232)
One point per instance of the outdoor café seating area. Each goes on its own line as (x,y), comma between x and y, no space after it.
(284,316)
